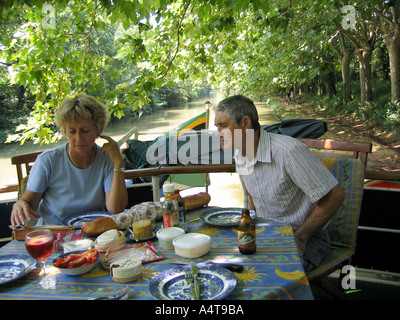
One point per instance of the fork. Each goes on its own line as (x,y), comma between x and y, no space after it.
(189,278)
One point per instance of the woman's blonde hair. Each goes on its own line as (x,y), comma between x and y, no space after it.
(79,107)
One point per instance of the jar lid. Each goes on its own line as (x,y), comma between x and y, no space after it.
(168,187)
(191,240)
(170,233)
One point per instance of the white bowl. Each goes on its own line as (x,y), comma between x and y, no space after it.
(192,245)
(75,271)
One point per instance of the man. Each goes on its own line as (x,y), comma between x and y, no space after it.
(284,180)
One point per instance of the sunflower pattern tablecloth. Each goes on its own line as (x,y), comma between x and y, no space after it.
(273,272)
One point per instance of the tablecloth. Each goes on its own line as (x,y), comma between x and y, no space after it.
(273,272)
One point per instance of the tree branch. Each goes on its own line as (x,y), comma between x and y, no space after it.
(178,38)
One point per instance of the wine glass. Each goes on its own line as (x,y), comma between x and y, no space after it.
(39,244)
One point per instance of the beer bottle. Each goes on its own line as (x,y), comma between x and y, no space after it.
(246,233)
(170,207)
(181,210)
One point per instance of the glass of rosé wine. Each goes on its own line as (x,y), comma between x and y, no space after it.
(39,244)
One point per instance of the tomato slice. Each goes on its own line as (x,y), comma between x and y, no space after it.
(77,263)
(75,260)
(63,262)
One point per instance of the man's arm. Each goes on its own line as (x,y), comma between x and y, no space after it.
(322,214)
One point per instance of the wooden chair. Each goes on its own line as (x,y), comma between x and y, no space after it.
(339,149)
(23,164)
(349,169)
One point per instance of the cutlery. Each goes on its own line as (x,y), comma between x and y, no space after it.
(230,266)
(189,278)
(121,295)
(195,271)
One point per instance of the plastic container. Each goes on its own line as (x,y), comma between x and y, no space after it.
(192,245)
(167,235)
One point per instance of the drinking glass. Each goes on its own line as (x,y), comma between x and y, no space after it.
(39,244)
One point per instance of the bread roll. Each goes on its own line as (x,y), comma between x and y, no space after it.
(142,229)
(196,201)
(98,226)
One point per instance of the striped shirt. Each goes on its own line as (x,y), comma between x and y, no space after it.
(285,180)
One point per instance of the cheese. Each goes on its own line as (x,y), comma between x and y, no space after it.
(126,270)
(111,239)
(142,229)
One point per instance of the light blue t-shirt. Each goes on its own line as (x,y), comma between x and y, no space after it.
(66,189)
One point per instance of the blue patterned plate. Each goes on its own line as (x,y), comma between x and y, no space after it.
(14,266)
(215,283)
(77,220)
(224,217)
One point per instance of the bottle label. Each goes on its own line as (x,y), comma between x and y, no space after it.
(171,221)
(247,240)
(169,196)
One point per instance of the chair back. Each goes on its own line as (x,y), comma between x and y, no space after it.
(23,165)
(350,175)
(343,226)
(339,149)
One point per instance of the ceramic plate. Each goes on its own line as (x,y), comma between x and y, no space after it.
(215,283)
(129,236)
(77,220)
(15,266)
(224,217)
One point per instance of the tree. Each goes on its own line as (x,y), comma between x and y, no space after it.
(363,38)
(389,22)
(345,53)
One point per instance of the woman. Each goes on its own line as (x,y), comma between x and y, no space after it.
(76,177)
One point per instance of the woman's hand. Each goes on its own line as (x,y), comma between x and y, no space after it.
(22,212)
(111,147)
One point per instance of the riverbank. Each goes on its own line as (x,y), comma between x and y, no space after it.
(385,154)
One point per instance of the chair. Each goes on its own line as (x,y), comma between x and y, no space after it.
(349,170)
(339,149)
(23,165)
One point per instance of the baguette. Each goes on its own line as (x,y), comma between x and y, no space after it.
(98,226)
(196,201)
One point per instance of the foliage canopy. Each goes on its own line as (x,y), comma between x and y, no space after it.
(121,51)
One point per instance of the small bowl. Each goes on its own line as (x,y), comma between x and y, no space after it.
(75,271)
(167,235)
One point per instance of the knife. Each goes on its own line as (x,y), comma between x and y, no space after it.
(195,271)
(230,266)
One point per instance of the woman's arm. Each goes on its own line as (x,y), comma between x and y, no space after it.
(117,197)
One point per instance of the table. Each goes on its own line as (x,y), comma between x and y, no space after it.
(273,272)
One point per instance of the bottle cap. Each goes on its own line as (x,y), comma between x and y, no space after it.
(168,187)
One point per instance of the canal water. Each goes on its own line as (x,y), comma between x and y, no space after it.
(225,188)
